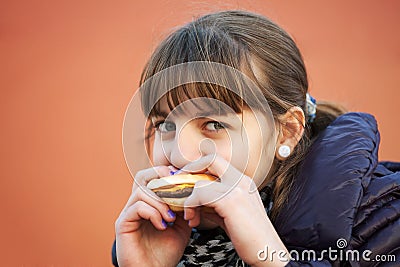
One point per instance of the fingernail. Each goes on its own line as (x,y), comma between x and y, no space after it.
(178,172)
(171,214)
(164,223)
(172,170)
(175,172)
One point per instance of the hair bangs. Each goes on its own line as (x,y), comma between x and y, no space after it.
(195,43)
(204,96)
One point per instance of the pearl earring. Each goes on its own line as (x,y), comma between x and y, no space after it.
(284,151)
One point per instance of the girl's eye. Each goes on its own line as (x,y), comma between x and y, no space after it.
(214,126)
(165,126)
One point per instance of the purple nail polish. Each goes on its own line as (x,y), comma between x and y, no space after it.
(172,170)
(171,214)
(164,223)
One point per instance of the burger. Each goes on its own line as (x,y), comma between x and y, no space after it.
(175,189)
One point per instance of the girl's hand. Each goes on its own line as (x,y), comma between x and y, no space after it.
(142,235)
(239,209)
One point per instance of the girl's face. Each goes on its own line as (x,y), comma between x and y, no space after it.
(193,129)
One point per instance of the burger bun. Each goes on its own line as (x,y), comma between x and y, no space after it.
(170,188)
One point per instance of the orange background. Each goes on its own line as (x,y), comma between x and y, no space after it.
(69,68)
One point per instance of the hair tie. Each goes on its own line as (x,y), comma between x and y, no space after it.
(311,108)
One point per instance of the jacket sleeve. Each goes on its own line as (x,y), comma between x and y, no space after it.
(323,263)
(377,224)
(114,255)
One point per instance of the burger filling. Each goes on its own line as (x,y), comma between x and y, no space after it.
(180,192)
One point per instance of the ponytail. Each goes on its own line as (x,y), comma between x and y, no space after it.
(326,113)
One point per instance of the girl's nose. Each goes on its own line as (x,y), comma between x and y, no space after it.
(185,148)
(189,145)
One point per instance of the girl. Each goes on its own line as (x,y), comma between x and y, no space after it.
(320,188)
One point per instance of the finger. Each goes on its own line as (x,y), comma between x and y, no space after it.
(137,212)
(206,193)
(219,167)
(143,177)
(189,213)
(149,197)
(192,215)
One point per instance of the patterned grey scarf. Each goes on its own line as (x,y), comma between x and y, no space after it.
(208,248)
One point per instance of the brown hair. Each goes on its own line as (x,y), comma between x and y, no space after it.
(258,47)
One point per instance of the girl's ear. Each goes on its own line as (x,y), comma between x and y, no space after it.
(291,130)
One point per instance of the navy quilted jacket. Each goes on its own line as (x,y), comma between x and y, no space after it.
(343,198)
